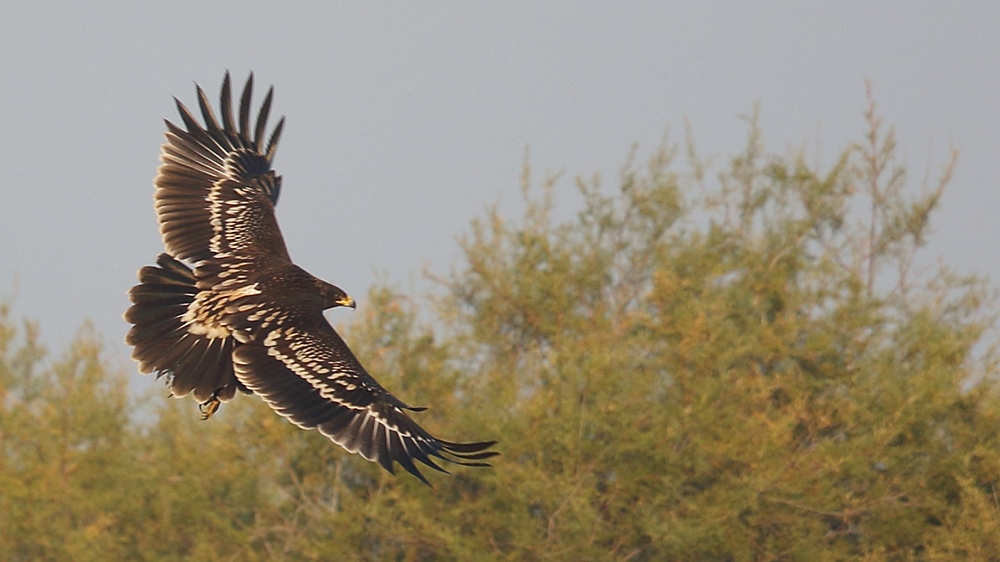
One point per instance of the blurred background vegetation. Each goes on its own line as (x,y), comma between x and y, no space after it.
(710,362)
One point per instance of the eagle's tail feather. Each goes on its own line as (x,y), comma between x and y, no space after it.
(194,363)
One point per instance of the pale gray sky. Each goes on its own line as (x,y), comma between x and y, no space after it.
(406,119)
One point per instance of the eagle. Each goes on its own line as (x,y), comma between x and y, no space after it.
(225,309)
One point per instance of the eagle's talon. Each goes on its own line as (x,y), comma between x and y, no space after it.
(209,407)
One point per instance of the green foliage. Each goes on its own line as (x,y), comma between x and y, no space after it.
(62,429)
(749,368)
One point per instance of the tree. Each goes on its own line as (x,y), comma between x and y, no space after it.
(760,374)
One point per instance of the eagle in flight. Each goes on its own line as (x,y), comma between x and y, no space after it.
(242,316)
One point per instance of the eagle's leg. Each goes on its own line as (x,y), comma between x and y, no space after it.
(210,406)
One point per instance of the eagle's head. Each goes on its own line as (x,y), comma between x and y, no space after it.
(334,296)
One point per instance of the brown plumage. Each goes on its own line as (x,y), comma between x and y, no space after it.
(245,317)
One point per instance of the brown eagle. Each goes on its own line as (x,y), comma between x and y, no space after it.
(245,317)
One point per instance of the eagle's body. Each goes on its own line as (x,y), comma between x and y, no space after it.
(245,317)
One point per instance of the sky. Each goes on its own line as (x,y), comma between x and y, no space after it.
(407,120)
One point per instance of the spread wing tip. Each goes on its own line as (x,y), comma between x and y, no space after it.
(470,454)
(395,438)
(464,454)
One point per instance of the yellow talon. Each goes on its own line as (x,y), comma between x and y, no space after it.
(209,407)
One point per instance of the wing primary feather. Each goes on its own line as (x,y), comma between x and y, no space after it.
(404,458)
(470,450)
(174,129)
(189,121)
(272,145)
(226,105)
(245,101)
(206,110)
(422,451)
(471,458)
(265,110)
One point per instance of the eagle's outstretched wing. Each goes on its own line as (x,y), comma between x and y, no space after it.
(215,189)
(307,374)
(214,199)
